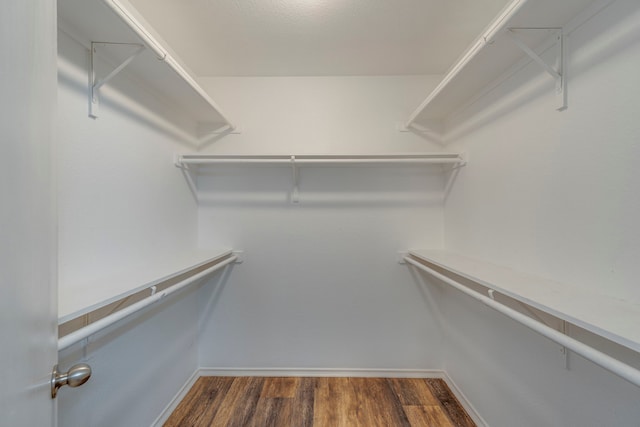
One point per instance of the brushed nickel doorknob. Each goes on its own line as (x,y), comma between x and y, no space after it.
(74,377)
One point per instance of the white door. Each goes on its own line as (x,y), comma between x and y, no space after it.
(28,305)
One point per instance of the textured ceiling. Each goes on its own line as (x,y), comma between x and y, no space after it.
(318,37)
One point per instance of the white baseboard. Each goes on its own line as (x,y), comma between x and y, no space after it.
(173,404)
(318,372)
(466,404)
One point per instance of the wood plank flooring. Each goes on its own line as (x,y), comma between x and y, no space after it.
(319,402)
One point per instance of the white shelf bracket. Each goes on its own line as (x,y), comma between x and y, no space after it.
(96,83)
(557,73)
(464,159)
(239,256)
(563,329)
(564,350)
(189,175)
(295,175)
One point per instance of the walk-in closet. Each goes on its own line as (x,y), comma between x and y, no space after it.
(264,201)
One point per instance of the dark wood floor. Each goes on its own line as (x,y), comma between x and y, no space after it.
(319,402)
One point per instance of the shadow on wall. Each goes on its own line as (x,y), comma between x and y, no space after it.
(125,95)
(325,187)
(531,82)
(128,356)
(209,298)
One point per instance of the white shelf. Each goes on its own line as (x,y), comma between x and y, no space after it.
(493,53)
(186,161)
(322,159)
(116,21)
(614,319)
(76,299)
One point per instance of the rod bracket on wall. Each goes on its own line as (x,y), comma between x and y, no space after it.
(557,71)
(295,176)
(95,83)
(564,350)
(239,256)
(190,175)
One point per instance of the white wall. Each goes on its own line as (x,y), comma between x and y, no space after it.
(554,194)
(122,202)
(138,366)
(320,287)
(122,205)
(320,115)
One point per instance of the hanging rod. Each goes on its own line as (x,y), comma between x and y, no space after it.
(87,331)
(423,158)
(607,362)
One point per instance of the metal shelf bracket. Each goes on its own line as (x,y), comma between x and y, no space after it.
(557,72)
(564,350)
(96,83)
(190,175)
(295,193)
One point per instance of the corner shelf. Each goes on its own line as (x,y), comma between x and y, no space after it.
(187,161)
(117,29)
(614,319)
(522,26)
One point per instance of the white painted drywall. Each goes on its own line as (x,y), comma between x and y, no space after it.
(319,37)
(515,377)
(554,194)
(320,287)
(122,202)
(320,115)
(27,212)
(138,366)
(122,205)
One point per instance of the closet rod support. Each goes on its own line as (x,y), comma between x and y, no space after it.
(190,175)
(96,84)
(564,350)
(295,193)
(556,73)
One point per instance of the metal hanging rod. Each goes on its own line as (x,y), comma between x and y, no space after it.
(425,158)
(609,363)
(76,336)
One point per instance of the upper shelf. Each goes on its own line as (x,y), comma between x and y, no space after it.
(614,319)
(117,22)
(324,159)
(296,161)
(493,53)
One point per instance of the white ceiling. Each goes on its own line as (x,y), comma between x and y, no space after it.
(318,37)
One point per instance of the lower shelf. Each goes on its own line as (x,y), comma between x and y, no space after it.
(614,319)
(81,298)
